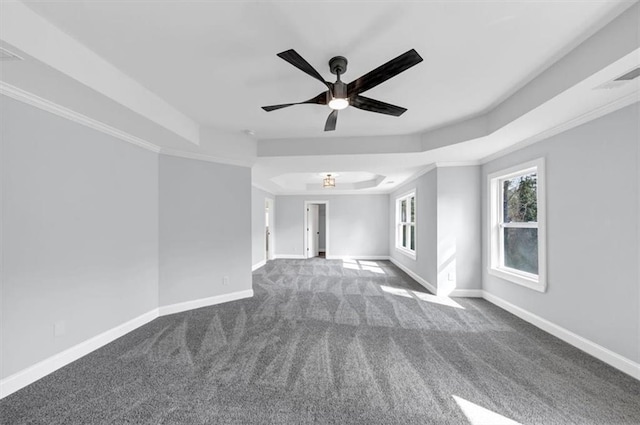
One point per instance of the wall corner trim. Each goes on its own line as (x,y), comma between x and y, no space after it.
(258,265)
(49,365)
(204,302)
(599,352)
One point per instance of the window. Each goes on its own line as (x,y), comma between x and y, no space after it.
(406,224)
(517,225)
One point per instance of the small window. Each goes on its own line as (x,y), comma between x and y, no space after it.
(406,224)
(517,243)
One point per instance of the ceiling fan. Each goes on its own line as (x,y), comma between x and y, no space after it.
(340,95)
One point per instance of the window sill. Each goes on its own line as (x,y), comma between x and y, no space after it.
(535,284)
(408,253)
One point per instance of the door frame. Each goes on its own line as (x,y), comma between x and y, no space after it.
(272,227)
(326,227)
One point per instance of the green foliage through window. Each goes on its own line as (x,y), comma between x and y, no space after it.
(520,199)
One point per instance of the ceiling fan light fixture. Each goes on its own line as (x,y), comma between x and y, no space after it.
(328,181)
(338,103)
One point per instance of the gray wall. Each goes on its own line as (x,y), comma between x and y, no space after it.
(258,234)
(80,233)
(459,233)
(205,233)
(448,238)
(358,224)
(592,219)
(426,263)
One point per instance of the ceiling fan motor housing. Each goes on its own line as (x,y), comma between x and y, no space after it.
(338,64)
(339,91)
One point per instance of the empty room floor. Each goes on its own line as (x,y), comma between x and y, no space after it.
(328,341)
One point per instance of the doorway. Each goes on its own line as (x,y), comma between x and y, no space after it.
(269,215)
(316,229)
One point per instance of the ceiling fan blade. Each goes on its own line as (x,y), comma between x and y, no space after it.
(384,72)
(331,121)
(298,61)
(320,99)
(373,105)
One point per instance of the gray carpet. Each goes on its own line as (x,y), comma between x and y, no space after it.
(324,341)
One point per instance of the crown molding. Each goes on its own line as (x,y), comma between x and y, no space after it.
(567,125)
(205,157)
(64,53)
(71,115)
(264,189)
(61,111)
(457,164)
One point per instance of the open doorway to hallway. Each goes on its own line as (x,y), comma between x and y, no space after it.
(316,229)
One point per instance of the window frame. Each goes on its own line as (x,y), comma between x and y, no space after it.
(398,224)
(496,265)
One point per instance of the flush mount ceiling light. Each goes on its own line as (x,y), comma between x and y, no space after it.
(328,181)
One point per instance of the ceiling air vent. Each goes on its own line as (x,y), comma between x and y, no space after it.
(621,80)
(6,55)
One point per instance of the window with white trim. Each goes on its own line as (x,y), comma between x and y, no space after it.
(517,225)
(406,224)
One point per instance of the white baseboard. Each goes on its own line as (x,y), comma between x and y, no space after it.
(204,302)
(467,293)
(258,265)
(21,379)
(414,276)
(358,257)
(616,360)
(289,257)
(27,376)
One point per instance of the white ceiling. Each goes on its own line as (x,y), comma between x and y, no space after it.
(215,62)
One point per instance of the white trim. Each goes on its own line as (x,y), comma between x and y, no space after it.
(204,302)
(43,368)
(466,293)
(358,257)
(67,55)
(46,105)
(289,257)
(406,252)
(334,192)
(257,186)
(78,118)
(567,125)
(205,157)
(306,225)
(414,276)
(31,374)
(494,211)
(412,193)
(601,353)
(414,176)
(446,164)
(258,265)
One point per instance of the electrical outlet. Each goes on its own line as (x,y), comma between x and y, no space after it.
(59,328)
(225,280)
(451,276)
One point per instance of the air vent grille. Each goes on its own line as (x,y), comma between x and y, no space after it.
(6,55)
